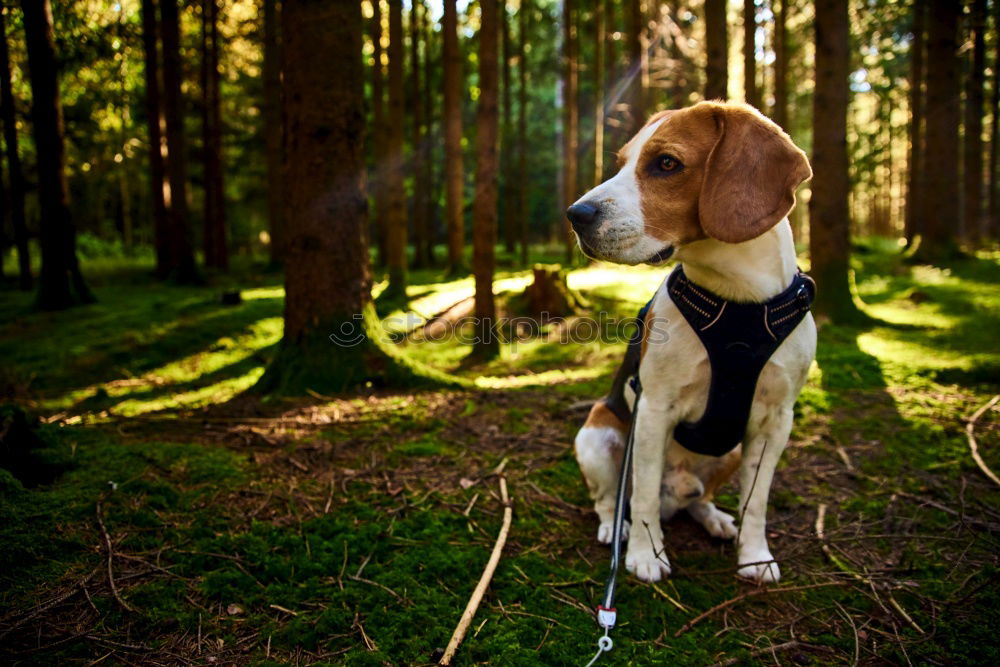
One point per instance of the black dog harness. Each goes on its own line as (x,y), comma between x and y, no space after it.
(739,338)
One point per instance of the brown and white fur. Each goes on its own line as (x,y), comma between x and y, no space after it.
(722,214)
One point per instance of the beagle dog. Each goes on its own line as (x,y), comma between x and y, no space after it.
(710,185)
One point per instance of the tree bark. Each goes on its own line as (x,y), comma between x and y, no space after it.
(600,37)
(154,129)
(781,66)
(484,212)
(15,173)
(418,147)
(431,140)
(972,211)
(829,219)
(750,53)
(508,218)
(717,45)
(182,266)
(61,284)
(522,127)
(215,247)
(993,224)
(633,47)
(941,200)
(454,172)
(571,122)
(396,221)
(915,177)
(273,129)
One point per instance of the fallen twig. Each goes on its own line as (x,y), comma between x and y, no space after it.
(111,557)
(970,429)
(774,648)
(484,580)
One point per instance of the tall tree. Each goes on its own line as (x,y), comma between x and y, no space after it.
(273,128)
(327,275)
(610,72)
(750,53)
(182,266)
(571,121)
(154,130)
(973,134)
(215,249)
(600,36)
(717,46)
(377,132)
(15,174)
(396,222)
(419,148)
(61,284)
(780,112)
(829,219)
(523,10)
(508,215)
(993,224)
(941,185)
(431,141)
(633,49)
(915,171)
(454,179)
(484,211)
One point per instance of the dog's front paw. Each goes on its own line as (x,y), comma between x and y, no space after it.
(646,564)
(606,532)
(719,524)
(761,568)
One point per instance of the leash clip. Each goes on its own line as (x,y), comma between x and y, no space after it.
(606,617)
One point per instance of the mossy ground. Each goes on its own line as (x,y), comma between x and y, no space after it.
(351,529)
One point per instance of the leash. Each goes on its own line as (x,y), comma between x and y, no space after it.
(607,615)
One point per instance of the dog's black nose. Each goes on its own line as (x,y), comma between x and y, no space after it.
(582,215)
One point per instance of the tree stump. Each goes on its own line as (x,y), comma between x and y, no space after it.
(549,293)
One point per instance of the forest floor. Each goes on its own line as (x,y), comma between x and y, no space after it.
(167,517)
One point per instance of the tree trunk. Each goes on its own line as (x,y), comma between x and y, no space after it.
(507,213)
(571,122)
(154,129)
(717,45)
(633,47)
(610,78)
(377,132)
(215,248)
(941,200)
(750,53)
(829,219)
(273,129)
(522,127)
(327,275)
(993,224)
(973,133)
(431,140)
(484,212)
(915,176)
(417,158)
(600,36)
(15,174)
(61,284)
(182,266)
(454,178)
(396,220)
(781,66)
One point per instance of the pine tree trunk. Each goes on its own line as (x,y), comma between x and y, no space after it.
(273,129)
(417,157)
(941,185)
(61,284)
(215,247)
(377,132)
(610,78)
(522,127)
(454,178)
(396,219)
(973,131)
(182,266)
(993,224)
(600,37)
(829,218)
(633,47)
(781,66)
(154,129)
(431,141)
(484,213)
(508,218)
(915,175)
(717,45)
(571,122)
(750,53)
(15,173)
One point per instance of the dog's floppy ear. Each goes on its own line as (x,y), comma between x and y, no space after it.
(750,176)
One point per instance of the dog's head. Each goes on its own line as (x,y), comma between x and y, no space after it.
(714,170)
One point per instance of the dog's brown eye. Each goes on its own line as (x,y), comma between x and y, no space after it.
(668,164)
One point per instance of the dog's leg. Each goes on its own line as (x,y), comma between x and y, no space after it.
(760,458)
(645,558)
(715,521)
(598,447)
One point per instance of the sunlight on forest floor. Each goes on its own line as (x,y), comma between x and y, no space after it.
(295,529)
